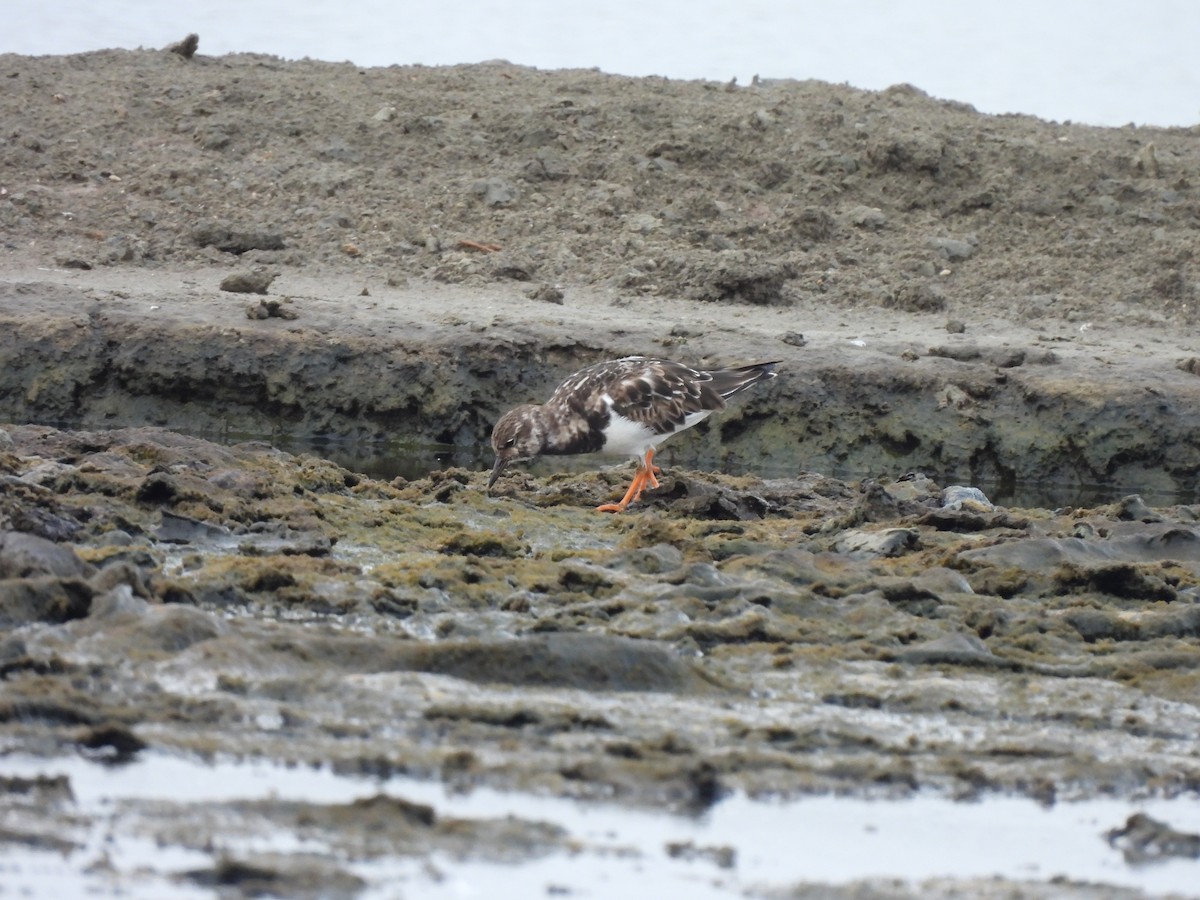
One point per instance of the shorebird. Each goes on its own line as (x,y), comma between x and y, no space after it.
(624,406)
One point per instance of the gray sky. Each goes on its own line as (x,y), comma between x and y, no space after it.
(1097,61)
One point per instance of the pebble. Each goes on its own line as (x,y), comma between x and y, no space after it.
(868,217)
(271,309)
(547,293)
(256,281)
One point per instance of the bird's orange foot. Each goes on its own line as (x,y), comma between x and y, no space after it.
(643,478)
(632,495)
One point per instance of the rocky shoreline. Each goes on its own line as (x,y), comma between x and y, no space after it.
(771,638)
(184,553)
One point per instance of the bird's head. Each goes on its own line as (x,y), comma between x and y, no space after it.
(519,434)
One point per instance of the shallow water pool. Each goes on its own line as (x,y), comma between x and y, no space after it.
(738,846)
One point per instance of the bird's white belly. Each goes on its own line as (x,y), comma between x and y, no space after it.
(626,437)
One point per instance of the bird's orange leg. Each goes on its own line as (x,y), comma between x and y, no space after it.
(651,468)
(641,478)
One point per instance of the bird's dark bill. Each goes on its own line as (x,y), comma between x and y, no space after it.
(501,462)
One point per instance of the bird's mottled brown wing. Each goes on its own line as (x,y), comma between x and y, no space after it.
(577,408)
(660,394)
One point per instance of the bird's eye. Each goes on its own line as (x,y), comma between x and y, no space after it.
(511,442)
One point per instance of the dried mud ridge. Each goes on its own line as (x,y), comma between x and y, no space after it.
(776,193)
(424,367)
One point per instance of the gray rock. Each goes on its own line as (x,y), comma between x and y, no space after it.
(920,297)
(235,239)
(875,544)
(1155,542)
(1134,509)
(971,498)
(177,529)
(1005,357)
(654,560)
(961,352)
(591,662)
(953,649)
(548,164)
(291,544)
(952,249)
(43,599)
(547,293)
(272,309)
(496,192)
(24,555)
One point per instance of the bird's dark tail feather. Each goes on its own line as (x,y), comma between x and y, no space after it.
(728,382)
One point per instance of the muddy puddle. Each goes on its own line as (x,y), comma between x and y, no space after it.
(117,838)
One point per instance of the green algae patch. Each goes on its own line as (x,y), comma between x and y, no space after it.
(485,543)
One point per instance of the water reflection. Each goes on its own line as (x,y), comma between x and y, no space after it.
(826,840)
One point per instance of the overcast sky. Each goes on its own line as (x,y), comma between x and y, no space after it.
(1097,61)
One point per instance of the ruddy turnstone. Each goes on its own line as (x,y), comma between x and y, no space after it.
(624,406)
